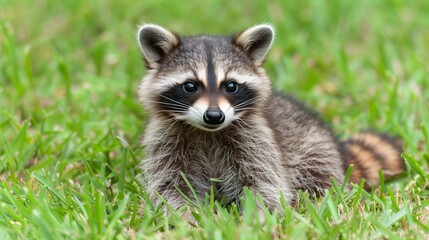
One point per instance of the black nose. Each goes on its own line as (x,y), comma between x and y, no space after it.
(214,117)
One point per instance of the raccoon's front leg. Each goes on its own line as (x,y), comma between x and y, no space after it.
(163,175)
(269,181)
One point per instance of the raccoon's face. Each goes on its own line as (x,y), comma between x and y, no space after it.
(208,82)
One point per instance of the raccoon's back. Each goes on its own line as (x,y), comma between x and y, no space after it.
(309,149)
(313,155)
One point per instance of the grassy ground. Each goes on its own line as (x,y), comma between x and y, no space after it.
(70,124)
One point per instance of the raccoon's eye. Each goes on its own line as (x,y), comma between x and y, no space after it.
(189,87)
(231,87)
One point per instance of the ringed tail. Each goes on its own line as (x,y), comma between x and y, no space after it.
(368,153)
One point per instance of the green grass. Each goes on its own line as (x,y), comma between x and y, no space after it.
(70,123)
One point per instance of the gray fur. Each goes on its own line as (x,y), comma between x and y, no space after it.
(276,145)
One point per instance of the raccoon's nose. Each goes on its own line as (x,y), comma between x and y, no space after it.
(214,117)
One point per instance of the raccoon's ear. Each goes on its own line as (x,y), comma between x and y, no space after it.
(256,41)
(156,43)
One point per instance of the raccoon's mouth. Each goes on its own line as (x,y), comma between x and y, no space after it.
(212,127)
(204,126)
(208,127)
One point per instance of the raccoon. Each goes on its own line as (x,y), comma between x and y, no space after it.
(213,114)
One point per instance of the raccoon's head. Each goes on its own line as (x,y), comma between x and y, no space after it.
(206,81)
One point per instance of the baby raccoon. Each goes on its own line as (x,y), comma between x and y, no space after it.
(213,114)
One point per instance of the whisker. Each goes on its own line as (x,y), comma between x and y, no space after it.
(173,100)
(172,111)
(247,102)
(255,109)
(167,103)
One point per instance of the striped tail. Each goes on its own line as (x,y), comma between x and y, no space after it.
(369,152)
